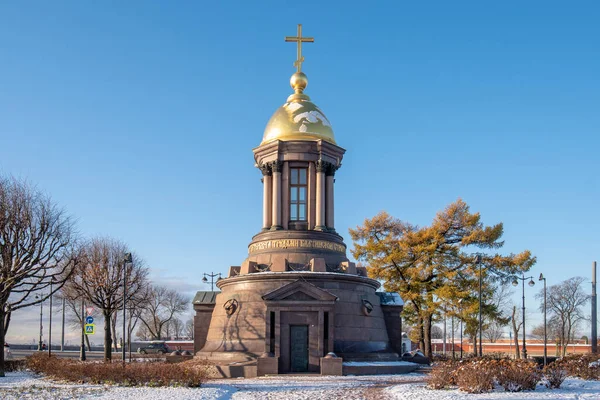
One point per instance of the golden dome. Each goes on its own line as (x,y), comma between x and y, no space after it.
(298,118)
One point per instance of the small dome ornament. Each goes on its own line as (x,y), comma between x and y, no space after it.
(298,82)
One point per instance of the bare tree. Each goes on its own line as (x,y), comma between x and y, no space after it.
(189,328)
(517,322)
(494,331)
(36,249)
(161,307)
(494,327)
(552,330)
(436,332)
(75,317)
(565,303)
(99,279)
(177,326)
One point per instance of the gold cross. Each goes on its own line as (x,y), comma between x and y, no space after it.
(299,39)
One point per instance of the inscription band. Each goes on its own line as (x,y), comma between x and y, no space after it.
(296,244)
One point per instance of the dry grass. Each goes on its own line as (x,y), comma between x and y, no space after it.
(517,375)
(134,374)
(584,366)
(442,375)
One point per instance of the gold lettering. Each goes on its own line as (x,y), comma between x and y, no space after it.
(296,243)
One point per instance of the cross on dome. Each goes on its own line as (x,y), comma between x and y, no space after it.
(299,39)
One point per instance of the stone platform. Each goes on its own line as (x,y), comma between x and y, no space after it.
(255,314)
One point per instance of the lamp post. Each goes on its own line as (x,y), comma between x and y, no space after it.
(545,332)
(128,259)
(531,283)
(478,262)
(212,281)
(62,333)
(461,328)
(41,297)
(82,350)
(50,321)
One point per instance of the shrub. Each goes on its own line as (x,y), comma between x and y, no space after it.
(584,366)
(517,375)
(475,376)
(14,365)
(134,374)
(555,375)
(442,375)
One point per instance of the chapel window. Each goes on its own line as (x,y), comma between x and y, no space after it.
(298,192)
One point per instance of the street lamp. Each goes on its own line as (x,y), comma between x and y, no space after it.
(516,283)
(212,281)
(461,328)
(41,297)
(127,260)
(478,262)
(50,321)
(545,333)
(82,349)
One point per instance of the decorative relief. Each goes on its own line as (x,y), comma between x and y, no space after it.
(335,268)
(296,244)
(297,266)
(367,307)
(265,169)
(231,306)
(322,166)
(276,166)
(331,170)
(262,267)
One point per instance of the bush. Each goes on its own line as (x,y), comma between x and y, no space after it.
(475,376)
(14,365)
(134,374)
(517,375)
(442,375)
(554,375)
(584,366)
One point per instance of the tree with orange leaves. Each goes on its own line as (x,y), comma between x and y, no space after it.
(435,265)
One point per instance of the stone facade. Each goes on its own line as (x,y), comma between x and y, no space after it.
(296,303)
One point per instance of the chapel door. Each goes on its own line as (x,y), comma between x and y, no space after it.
(299,348)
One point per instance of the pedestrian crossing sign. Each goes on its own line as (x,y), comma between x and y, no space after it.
(90,329)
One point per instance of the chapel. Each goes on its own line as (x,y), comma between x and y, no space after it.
(297,304)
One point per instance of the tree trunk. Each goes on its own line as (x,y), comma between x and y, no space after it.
(114,331)
(427,337)
(7,322)
(107,338)
(421,334)
(2,340)
(515,333)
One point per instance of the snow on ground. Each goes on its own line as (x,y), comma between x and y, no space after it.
(572,388)
(21,385)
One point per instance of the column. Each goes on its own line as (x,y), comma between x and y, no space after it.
(267,195)
(276,167)
(285,195)
(320,214)
(329,196)
(312,197)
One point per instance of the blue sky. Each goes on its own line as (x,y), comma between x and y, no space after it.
(139,118)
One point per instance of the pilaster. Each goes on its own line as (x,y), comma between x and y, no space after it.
(321,167)
(276,167)
(267,195)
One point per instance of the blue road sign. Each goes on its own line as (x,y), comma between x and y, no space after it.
(89,320)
